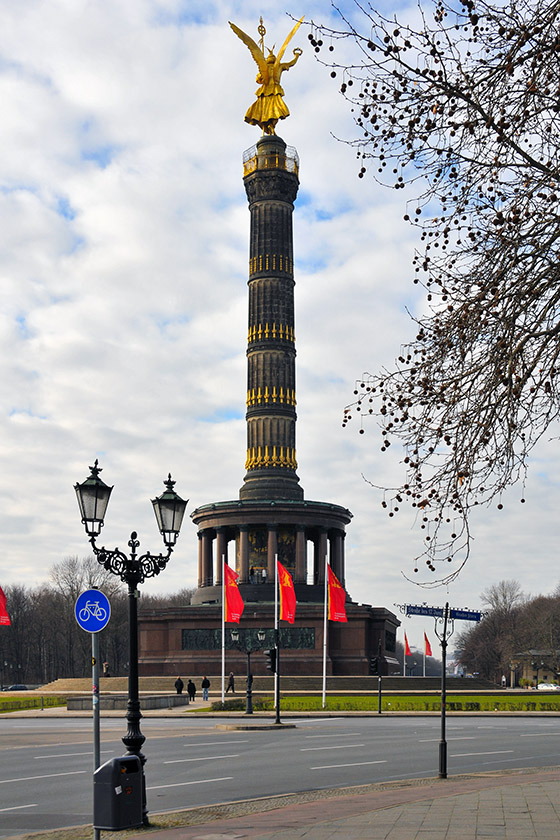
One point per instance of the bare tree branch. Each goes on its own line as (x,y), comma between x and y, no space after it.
(461,102)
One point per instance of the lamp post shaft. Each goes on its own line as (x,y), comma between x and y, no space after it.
(249,703)
(277,676)
(134,739)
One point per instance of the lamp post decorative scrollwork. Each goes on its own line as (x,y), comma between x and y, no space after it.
(93,498)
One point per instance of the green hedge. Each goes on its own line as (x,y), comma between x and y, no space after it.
(16,704)
(260,704)
(401,703)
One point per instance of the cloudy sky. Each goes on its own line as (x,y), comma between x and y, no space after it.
(123,283)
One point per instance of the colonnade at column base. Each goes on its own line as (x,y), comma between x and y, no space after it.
(249,535)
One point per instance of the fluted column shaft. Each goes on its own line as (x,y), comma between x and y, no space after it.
(271,183)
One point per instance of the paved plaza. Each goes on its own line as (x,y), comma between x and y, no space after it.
(516,806)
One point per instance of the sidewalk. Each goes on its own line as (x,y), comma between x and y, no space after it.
(515,806)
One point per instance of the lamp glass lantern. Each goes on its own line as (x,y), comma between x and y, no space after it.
(93,497)
(169,509)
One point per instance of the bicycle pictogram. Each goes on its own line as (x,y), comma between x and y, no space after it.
(94,610)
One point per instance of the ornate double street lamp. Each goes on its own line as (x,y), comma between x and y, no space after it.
(248,644)
(93,497)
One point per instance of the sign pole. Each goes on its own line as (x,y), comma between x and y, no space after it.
(443,742)
(95,706)
(92,611)
(446,618)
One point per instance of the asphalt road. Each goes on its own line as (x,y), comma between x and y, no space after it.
(46,765)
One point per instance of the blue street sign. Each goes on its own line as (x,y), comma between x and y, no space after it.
(414,610)
(460,615)
(92,610)
(465,615)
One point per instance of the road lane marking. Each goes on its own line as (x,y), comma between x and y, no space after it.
(220,743)
(68,755)
(202,758)
(47,776)
(435,740)
(357,764)
(35,746)
(494,752)
(342,747)
(17,808)
(197,782)
(332,735)
(538,734)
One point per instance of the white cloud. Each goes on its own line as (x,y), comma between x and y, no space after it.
(123,269)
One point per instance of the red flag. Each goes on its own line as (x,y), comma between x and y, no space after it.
(427,646)
(287,594)
(234,602)
(4,617)
(337,598)
(406,647)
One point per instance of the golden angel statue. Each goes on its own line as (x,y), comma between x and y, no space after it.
(269,106)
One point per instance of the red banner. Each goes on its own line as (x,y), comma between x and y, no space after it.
(287,594)
(427,646)
(234,601)
(4,617)
(406,647)
(337,598)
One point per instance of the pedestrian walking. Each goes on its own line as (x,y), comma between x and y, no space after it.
(205,685)
(231,683)
(191,688)
(179,685)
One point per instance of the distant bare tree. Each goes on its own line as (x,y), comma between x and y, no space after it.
(182,598)
(503,596)
(74,575)
(540,623)
(513,624)
(460,103)
(44,641)
(15,650)
(70,577)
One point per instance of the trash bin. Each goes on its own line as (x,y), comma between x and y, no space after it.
(117,794)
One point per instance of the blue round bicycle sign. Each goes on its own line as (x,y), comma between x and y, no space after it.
(92,610)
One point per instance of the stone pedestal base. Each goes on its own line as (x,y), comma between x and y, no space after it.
(188,641)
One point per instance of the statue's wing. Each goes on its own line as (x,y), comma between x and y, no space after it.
(288,39)
(256,51)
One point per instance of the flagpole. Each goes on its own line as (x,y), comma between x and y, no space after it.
(223,627)
(276,634)
(325,632)
(404,657)
(424,670)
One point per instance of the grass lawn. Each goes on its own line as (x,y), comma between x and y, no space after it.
(403,703)
(16,704)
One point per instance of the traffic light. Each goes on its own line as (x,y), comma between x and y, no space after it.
(271,656)
(374,666)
